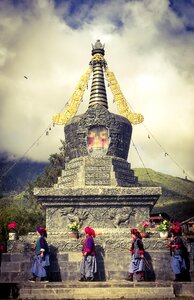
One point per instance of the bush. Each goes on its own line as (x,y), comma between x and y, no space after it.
(27,218)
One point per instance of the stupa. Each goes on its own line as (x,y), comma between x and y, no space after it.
(97,186)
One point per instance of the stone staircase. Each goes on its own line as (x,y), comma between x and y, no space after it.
(115,289)
(97,290)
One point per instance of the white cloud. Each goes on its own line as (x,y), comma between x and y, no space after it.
(147,48)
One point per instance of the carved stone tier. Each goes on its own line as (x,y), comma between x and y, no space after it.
(63,243)
(101,171)
(99,207)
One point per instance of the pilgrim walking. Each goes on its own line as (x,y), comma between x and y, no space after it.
(41,259)
(88,266)
(137,265)
(179,255)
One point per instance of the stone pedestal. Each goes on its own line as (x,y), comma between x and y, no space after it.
(98,207)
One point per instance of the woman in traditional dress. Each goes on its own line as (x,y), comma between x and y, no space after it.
(178,252)
(88,266)
(137,265)
(41,260)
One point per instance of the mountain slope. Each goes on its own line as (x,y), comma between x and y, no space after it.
(177,198)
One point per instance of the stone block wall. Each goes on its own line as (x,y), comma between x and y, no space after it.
(113,262)
(15,267)
(66,267)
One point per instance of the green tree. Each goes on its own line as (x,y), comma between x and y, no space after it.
(53,171)
(13,209)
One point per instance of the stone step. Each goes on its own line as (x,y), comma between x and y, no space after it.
(97,290)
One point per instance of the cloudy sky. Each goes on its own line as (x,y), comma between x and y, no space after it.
(45,47)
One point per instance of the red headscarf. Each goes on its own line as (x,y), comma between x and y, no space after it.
(89,231)
(175,229)
(136,233)
(93,232)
